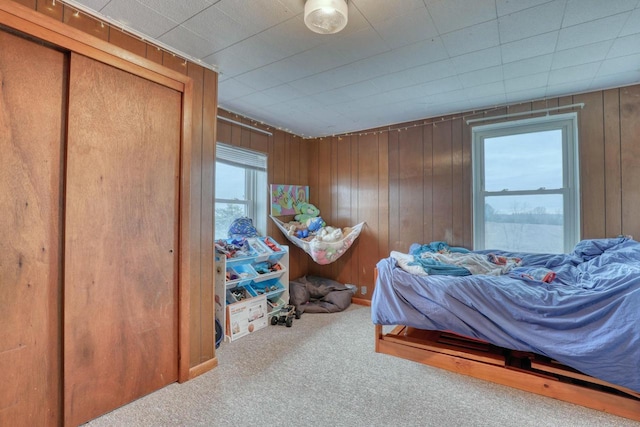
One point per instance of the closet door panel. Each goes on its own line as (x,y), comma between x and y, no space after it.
(32,101)
(121,248)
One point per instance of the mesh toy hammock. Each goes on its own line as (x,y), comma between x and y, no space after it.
(322,252)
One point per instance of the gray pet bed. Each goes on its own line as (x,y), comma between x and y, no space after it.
(312,294)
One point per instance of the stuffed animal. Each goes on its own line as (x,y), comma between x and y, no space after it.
(306,211)
(314,224)
(293,227)
(302,234)
(329,234)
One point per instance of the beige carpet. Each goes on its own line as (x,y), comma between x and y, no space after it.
(323,371)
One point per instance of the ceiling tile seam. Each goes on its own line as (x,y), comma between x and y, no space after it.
(319,72)
(576,25)
(373,27)
(564,16)
(344,65)
(201,36)
(528,8)
(179,24)
(368,57)
(591,81)
(159,13)
(426,6)
(304,51)
(615,38)
(376,77)
(143,37)
(105,5)
(257,34)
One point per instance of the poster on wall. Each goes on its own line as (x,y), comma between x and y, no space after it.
(285,198)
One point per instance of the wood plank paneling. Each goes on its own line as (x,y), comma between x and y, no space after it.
(443,192)
(246,136)
(322,198)
(612,167)
(591,149)
(467,187)
(236,135)
(174,62)
(224,134)
(368,210)
(154,54)
(410,186)
(313,178)
(457,183)
(383,196)
(630,154)
(394,190)
(31,165)
(287,163)
(343,203)
(74,18)
(352,254)
(207,230)
(122,203)
(260,142)
(427,180)
(427,171)
(128,42)
(195,322)
(51,9)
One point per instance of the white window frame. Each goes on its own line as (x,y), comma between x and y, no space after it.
(570,191)
(254,163)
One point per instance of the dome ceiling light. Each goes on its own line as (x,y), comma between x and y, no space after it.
(325,16)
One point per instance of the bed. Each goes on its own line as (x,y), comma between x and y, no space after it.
(573,334)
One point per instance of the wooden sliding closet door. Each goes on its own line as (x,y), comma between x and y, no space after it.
(121,239)
(32,104)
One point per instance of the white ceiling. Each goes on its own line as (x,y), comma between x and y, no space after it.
(397,60)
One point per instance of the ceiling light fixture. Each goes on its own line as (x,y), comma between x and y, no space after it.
(325,16)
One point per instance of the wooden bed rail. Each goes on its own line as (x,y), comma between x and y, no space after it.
(490,364)
(524,371)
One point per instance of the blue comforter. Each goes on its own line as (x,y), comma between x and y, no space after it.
(586,318)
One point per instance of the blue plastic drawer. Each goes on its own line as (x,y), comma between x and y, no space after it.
(241,274)
(240,293)
(262,252)
(267,270)
(272,288)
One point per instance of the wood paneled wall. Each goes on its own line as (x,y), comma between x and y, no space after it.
(349,183)
(288,163)
(411,182)
(205,83)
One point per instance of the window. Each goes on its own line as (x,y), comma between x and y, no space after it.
(525,185)
(241,188)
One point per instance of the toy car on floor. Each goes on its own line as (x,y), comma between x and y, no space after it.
(285,316)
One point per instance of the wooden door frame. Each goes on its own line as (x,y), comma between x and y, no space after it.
(34,24)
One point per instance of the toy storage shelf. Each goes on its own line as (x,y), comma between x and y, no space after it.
(249,283)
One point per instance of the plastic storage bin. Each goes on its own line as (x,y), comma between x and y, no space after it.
(241,274)
(273,288)
(240,293)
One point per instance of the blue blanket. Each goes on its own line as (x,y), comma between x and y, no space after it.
(587,317)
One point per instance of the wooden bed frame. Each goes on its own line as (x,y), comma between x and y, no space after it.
(525,371)
(522,370)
